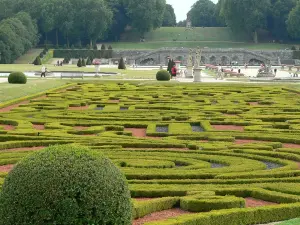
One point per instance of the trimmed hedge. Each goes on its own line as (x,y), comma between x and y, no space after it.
(17,78)
(163,75)
(65,185)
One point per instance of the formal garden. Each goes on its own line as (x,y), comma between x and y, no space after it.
(191,153)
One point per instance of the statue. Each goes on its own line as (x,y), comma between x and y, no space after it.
(189,67)
(190,58)
(198,57)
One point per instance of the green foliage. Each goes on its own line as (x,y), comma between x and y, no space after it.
(90,191)
(62,53)
(121,65)
(145,14)
(256,12)
(18,34)
(37,61)
(169,17)
(202,14)
(293,22)
(79,63)
(163,75)
(17,78)
(83,64)
(88,61)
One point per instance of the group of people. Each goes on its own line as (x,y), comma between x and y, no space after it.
(59,63)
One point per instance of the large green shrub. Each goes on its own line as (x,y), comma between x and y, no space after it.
(65,185)
(37,61)
(121,65)
(163,75)
(17,78)
(79,63)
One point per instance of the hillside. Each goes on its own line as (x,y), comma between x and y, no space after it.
(211,34)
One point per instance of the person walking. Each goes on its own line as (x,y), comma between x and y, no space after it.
(239,70)
(43,71)
(174,72)
(275,71)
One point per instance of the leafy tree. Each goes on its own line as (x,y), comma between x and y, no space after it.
(246,16)
(121,65)
(37,61)
(145,15)
(169,17)
(294,21)
(83,64)
(181,23)
(202,14)
(79,63)
(277,19)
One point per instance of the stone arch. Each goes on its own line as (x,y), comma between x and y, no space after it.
(147,61)
(179,58)
(203,59)
(224,60)
(255,62)
(213,60)
(235,59)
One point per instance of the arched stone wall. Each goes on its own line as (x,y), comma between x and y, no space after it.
(225,60)
(213,60)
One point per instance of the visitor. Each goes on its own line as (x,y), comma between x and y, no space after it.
(275,71)
(43,71)
(239,70)
(57,63)
(61,63)
(174,72)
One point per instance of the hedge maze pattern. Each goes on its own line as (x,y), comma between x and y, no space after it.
(212,151)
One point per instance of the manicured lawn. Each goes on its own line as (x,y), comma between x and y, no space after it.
(29,56)
(291,222)
(194,44)
(33,86)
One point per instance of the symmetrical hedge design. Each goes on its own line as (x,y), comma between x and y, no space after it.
(199,147)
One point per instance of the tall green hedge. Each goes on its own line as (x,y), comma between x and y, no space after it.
(82,53)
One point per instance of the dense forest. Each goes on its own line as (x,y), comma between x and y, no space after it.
(81,23)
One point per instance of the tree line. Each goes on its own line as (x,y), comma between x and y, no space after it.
(280,17)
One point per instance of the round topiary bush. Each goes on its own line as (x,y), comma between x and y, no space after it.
(163,75)
(17,78)
(65,185)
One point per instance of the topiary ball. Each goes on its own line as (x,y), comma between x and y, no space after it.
(17,78)
(163,75)
(65,185)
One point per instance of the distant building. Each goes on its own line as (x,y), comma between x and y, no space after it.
(188,22)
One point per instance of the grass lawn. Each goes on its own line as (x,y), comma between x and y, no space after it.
(291,222)
(29,56)
(194,44)
(33,86)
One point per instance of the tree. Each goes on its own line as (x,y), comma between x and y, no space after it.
(37,61)
(169,17)
(181,23)
(121,65)
(202,14)
(83,64)
(145,15)
(79,63)
(277,19)
(246,16)
(109,52)
(293,22)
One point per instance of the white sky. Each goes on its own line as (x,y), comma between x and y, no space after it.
(182,7)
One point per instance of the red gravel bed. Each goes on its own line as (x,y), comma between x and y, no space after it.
(228,127)
(38,126)
(79,108)
(24,149)
(8,108)
(151,149)
(41,97)
(7,127)
(113,101)
(144,199)
(252,203)
(137,132)
(159,216)
(79,128)
(291,145)
(246,141)
(155,138)
(6,168)
(253,103)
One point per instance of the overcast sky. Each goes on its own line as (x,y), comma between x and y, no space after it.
(182,7)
